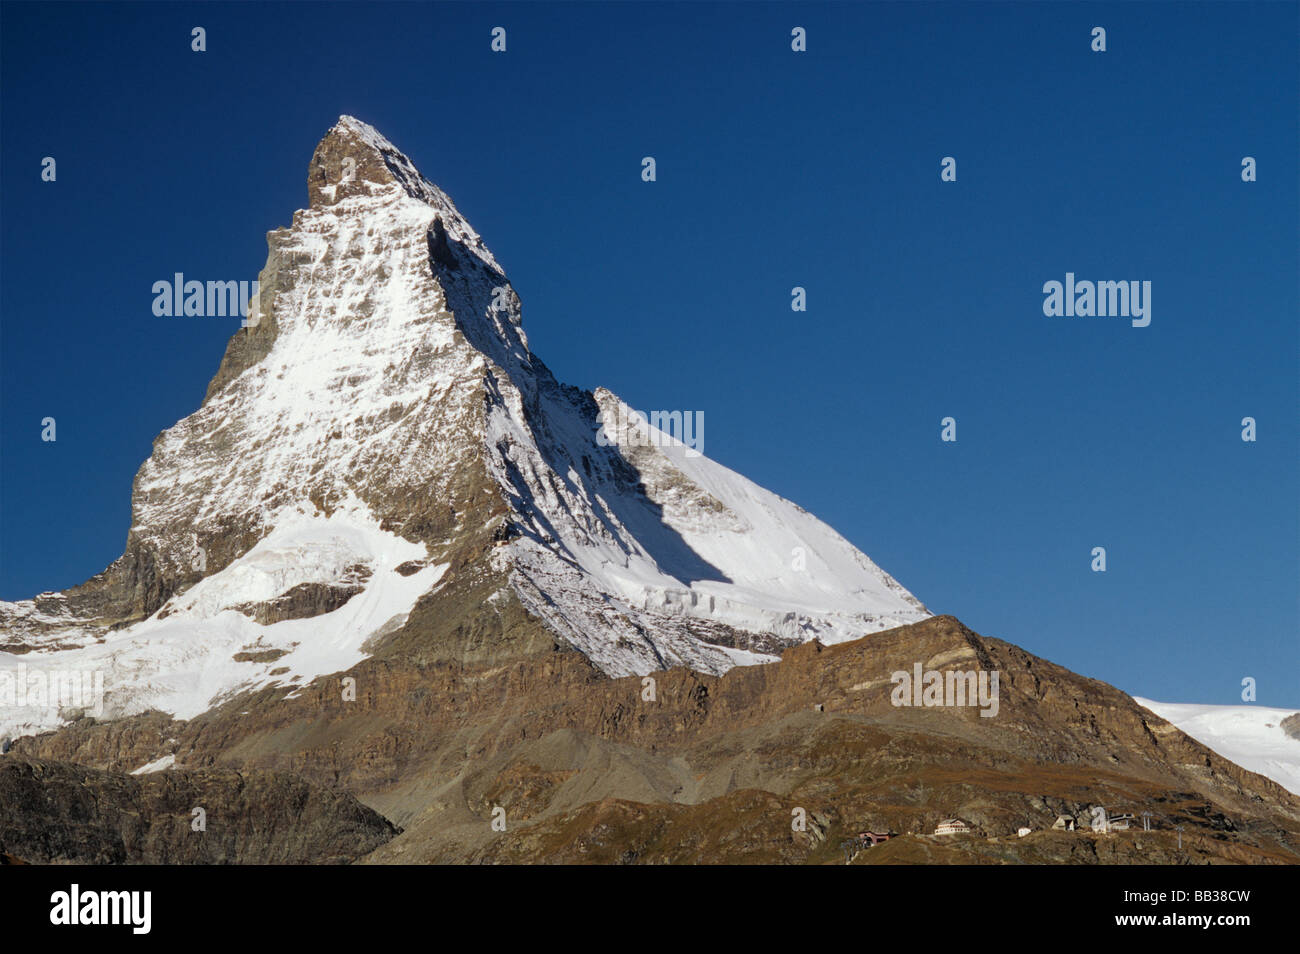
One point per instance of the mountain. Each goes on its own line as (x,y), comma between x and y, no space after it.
(380,438)
(1258,738)
(393,574)
(581,767)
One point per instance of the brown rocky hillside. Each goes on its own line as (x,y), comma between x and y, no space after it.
(588,770)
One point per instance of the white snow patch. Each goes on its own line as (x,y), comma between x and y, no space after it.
(1251,736)
(158,765)
(183,664)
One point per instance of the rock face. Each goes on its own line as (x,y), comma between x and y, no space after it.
(1291,726)
(60,813)
(589,769)
(379,439)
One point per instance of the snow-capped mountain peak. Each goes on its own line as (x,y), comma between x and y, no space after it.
(379,433)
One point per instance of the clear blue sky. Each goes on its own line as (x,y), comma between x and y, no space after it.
(775,169)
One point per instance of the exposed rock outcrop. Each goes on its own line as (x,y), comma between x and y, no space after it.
(56,812)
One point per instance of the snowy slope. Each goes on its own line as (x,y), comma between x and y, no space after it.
(696,542)
(1251,736)
(384,382)
(183,659)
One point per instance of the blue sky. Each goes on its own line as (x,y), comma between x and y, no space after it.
(775,169)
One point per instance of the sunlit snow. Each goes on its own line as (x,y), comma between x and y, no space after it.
(1251,736)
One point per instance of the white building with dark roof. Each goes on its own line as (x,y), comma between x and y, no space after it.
(952,826)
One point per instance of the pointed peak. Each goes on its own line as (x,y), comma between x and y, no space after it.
(365,134)
(355,159)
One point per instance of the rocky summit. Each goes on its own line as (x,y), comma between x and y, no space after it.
(395,594)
